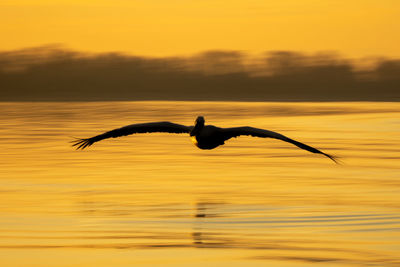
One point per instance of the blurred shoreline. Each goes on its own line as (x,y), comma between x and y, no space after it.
(52,73)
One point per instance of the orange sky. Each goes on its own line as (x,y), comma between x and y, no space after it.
(179,27)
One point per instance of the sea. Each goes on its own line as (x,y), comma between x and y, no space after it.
(157,200)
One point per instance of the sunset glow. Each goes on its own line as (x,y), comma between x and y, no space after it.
(165,28)
(199,133)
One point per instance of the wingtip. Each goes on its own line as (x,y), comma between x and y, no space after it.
(81,143)
(333,158)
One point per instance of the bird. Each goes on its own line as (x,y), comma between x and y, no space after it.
(203,136)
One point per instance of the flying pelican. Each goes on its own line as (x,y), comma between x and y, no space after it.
(203,136)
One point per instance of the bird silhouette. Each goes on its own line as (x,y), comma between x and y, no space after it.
(203,136)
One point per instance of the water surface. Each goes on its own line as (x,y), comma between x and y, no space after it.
(156,200)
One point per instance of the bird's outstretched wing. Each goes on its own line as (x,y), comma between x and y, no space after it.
(237,131)
(152,127)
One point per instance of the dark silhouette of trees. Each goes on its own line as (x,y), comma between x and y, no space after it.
(52,73)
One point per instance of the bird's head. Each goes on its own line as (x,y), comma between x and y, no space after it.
(200,121)
(198,125)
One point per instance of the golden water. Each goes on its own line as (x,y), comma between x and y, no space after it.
(157,200)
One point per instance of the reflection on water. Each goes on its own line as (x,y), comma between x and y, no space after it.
(156,200)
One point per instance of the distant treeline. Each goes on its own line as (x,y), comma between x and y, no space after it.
(51,73)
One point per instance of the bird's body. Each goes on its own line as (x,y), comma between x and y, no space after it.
(203,136)
(209,137)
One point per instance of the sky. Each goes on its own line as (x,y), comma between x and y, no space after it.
(161,28)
